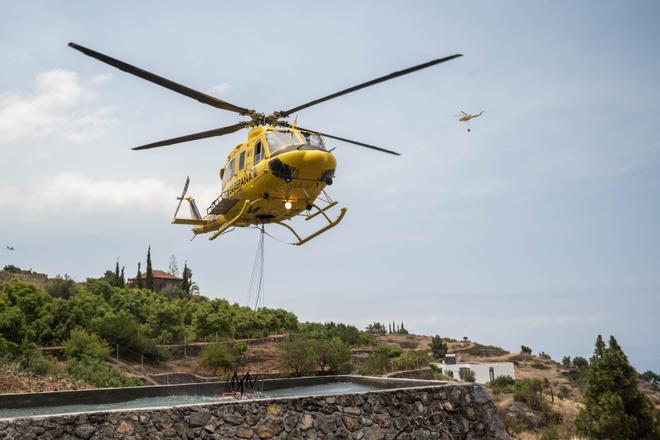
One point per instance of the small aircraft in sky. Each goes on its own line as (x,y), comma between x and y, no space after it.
(464,117)
(10,248)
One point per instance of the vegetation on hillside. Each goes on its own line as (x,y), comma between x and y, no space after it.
(614,407)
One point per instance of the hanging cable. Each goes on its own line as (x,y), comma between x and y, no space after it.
(255,293)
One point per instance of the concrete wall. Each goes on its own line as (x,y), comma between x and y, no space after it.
(438,411)
(421,373)
(112,395)
(481,370)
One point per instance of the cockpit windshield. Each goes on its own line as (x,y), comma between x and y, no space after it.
(279,139)
(314,140)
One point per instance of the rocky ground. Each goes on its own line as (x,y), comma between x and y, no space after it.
(14,381)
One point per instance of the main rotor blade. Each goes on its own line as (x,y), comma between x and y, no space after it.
(164,82)
(195,136)
(369,83)
(373,147)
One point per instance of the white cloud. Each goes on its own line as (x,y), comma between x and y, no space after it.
(59,106)
(219,89)
(101,78)
(69,192)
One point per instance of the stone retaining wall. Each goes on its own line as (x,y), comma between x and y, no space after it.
(449,412)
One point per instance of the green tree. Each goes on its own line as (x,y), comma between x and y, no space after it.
(566,361)
(150,274)
(185,284)
(122,277)
(61,287)
(378,362)
(412,359)
(614,407)
(376,328)
(299,357)
(82,344)
(580,362)
(438,347)
(525,350)
(333,355)
(138,277)
(219,356)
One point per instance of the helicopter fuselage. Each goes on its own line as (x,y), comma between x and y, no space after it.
(279,172)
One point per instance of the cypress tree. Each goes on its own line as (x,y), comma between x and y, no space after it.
(614,407)
(122,278)
(186,275)
(138,278)
(150,273)
(117,269)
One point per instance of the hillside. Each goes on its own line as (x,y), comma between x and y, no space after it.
(161,336)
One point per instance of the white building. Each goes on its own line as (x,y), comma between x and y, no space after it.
(484,372)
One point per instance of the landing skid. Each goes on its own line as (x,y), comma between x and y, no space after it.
(331,223)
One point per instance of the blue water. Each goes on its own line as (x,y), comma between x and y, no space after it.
(149,402)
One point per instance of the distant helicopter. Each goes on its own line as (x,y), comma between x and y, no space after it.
(279,172)
(10,248)
(464,117)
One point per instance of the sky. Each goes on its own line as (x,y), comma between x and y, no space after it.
(540,226)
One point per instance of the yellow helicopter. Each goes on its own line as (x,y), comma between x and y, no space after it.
(464,117)
(279,172)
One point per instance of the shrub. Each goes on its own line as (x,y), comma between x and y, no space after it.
(335,355)
(530,392)
(438,347)
(412,359)
(219,356)
(580,362)
(379,362)
(545,356)
(564,392)
(299,357)
(409,345)
(34,361)
(124,330)
(467,375)
(550,433)
(437,371)
(502,384)
(61,287)
(81,344)
(98,373)
(539,366)
(12,269)
(241,347)
(525,350)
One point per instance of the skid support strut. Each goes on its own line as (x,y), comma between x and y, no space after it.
(331,224)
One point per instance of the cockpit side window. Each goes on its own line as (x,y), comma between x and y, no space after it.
(231,169)
(241,160)
(258,153)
